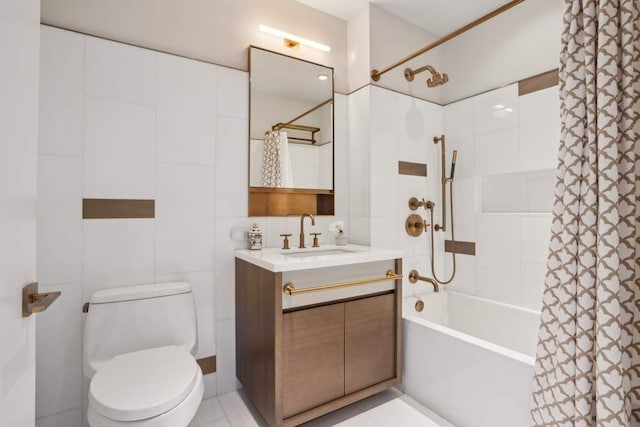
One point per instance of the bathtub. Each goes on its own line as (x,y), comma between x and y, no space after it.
(470,359)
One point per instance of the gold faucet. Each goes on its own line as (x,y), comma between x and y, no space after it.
(414,276)
(313,222)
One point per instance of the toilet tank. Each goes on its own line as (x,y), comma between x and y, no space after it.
(132,318)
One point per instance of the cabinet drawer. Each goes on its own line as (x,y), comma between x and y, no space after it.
(370,336)
(313,358)
(344,273)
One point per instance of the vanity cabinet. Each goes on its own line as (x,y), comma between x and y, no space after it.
(299,357)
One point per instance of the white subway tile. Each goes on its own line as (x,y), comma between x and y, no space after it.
(540,129)
(59,352)
(496,110)
(59,258)
(233,93)
(385,232)
(119,71)
(225,263)
(504,193)
(497,152)
(116,252)
(231,167)
(186,109)
(384,173)
(185,218)
(119,150)
(533,275)
(498,257)
(384,109)
(536,234)
(61,92)
(226,358)
(541,190)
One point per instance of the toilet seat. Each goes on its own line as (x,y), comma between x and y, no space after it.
(143,384)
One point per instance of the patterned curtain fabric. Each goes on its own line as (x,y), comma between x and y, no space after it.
(587,365)
(271,160)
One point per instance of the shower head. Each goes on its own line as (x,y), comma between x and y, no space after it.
(436,79)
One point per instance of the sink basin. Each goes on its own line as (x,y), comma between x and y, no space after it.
(305,254)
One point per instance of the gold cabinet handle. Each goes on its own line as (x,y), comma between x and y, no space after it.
(34,302)
(290,289)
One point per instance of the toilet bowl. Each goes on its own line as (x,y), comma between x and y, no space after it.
(138,353)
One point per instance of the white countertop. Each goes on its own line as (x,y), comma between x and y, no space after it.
(278,259)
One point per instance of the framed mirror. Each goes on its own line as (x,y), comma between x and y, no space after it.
(291,136)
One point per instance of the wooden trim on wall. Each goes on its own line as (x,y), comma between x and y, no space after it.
(464,248)
(290,201)
(118,208)
(207,364)
(415,169)
(539,82)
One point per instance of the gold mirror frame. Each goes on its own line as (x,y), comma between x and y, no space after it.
(270,201)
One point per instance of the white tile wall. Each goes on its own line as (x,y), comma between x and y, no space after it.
(61,77)
(539,129)
(497,152)
(496,110)
(118,71)
(185,212)
(116,252)
(119,149)
(186,110)
(125,122)
(513,142)
(59,258)
(384,172)
(59,353)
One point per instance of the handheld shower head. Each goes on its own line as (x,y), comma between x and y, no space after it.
(454,159)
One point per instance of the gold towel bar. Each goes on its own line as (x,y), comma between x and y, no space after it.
(291,290)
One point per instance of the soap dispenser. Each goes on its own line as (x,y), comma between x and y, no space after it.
(255,237)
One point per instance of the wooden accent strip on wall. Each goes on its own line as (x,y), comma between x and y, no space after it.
(207,364)
(539,82)
(415,169)
(464,248)
(118,208)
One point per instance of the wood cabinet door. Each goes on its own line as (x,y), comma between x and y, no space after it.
(313,358)
(370,341)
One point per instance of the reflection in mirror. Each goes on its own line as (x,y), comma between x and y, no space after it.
(291,135)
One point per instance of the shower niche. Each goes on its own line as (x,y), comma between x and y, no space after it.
(290,136)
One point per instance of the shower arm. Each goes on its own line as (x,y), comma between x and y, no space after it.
(376,74)
(410,74)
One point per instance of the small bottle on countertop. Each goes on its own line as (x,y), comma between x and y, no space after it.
(255,237)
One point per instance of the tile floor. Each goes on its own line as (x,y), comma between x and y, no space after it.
(386,409)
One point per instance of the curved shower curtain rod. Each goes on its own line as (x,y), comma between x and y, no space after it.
(376,74)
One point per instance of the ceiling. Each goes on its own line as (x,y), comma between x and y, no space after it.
(436,16)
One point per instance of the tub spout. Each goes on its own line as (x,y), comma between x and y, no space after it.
(414,276)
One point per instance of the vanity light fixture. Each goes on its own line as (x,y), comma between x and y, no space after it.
(293,41)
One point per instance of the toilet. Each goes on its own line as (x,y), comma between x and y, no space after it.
(139,346)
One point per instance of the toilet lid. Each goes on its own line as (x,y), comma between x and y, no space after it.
(143,384)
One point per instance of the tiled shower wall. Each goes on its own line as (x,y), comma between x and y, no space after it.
(122,122)
(507,146)
(504,191)
(386,127)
